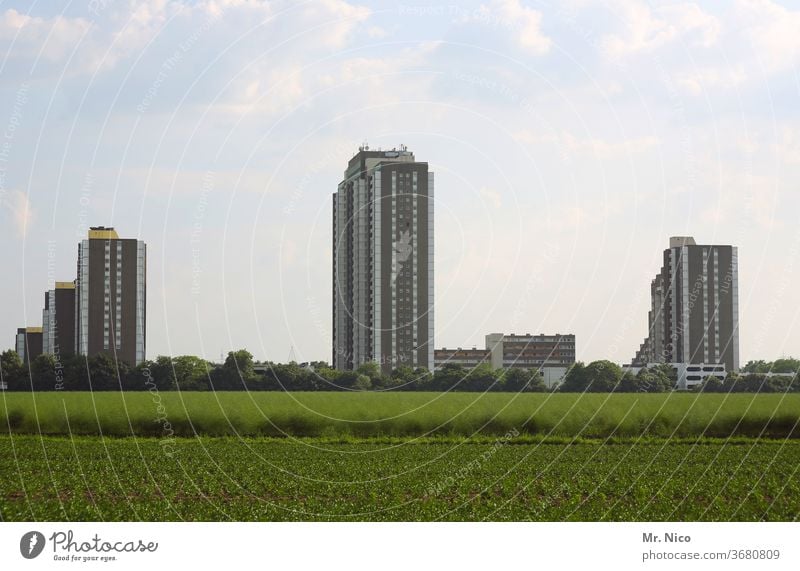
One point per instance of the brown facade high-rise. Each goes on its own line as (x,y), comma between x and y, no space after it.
(29,344)
(58,320)
(110,296)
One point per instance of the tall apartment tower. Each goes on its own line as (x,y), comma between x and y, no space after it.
(110,296)
(694,313)
(58,320)
(383,262)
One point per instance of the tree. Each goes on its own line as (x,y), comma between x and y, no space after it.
(236,373)
(731,384)
(447,377)
(597,377)
(402,378)
(710,385)
(43,373)
(373,372)
(363,383)
(523,380)
(759,366)
(480,379)
(371,369)
(603,376)
(105,373)
(326,378)
(423,380)
(656,379)
(12,372)
(786,366)
(629,383)
(189,373)
(576,380)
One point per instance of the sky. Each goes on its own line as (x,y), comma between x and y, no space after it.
(569,140)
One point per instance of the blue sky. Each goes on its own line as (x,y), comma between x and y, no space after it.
(569,140)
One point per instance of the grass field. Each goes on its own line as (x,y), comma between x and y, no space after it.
(401,414)
(92,478)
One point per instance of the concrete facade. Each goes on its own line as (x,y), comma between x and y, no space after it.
(110,308)
(552,355)
(383,262)
(28,343)
(58,320)
(694,313)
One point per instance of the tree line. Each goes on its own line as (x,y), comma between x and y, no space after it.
(239,372)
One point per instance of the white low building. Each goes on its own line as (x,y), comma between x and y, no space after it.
(687,375)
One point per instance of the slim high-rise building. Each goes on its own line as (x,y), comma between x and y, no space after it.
(694,313)
(383,262)
(58,320)
(110,296)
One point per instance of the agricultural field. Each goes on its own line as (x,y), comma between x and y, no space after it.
(399,456)
(399,414)
(219,479)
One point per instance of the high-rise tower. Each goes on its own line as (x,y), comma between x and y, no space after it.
(110,296)
(694,313)
(383,262)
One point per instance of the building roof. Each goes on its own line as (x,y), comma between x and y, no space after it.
(103,233)
(680,241)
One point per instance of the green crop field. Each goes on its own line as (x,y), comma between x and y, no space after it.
(401,414)
(93,478)
(399,456)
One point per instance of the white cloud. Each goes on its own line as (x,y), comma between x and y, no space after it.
(698,81)
(690,18)
(122,30)
(774,32)
(269,89)
(526,23)
(340,20)
(567,142)
(53,39)
(646,28)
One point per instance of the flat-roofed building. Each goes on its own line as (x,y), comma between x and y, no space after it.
(28,343)
(58,320)
(467,358)
(382,252)
(694,314)
(552,355)
(110,296)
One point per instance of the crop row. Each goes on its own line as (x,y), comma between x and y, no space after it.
(89,478)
